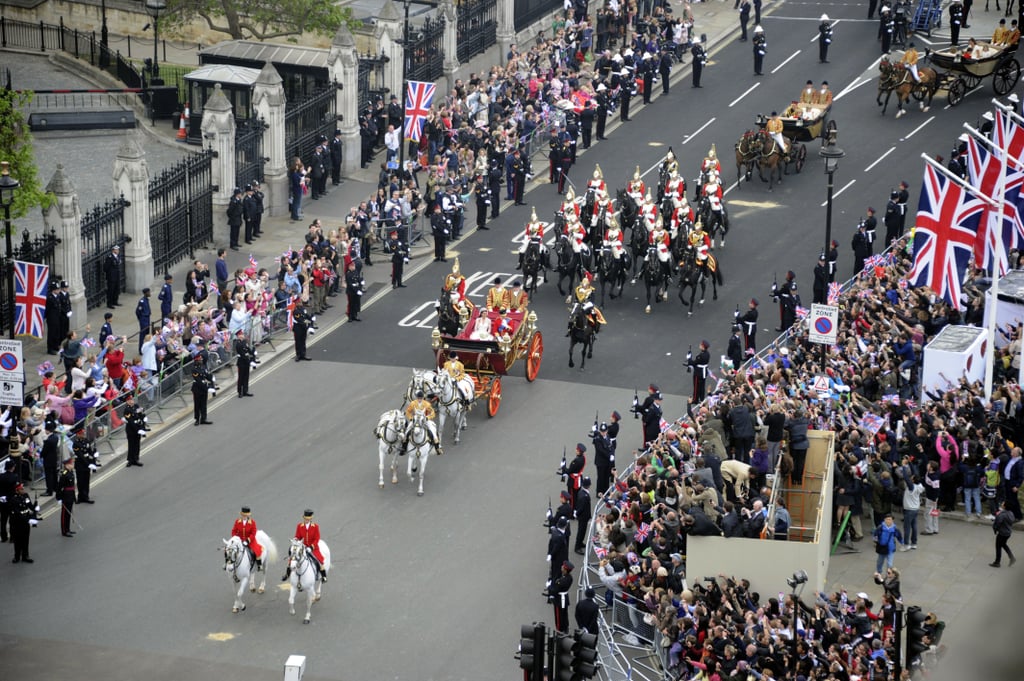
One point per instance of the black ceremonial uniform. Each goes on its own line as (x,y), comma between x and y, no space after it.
(558,552)
(700,363)
(587,124)
(399,255)
(893,218)
(902,197)
(519,170)
(787,304)
(86,461)
(24,515)
(354,292)
(833,258)
(760,48)
(245,355)
(54,317)
(439,229)
(574,476)
(202,381)
(66,490)
(248,213)
(134,428)
(734,351)
(301,323)
(602,113)
(699,59)
(583,512)
(651,415)
(235,219)
(483,200)
(749,323)
(956,20)
(257,222)
(560,589)
(824,40)
(861,250)
(604,460)
(820,287)
(8,481)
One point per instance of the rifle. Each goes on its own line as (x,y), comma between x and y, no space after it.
(549,516)
(775,288)
(636,404)
(593,431)
(689,358)
(561,471)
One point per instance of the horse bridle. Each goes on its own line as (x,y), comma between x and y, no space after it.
(237,561)
(455,391)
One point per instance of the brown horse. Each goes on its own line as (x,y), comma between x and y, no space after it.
(894,77)
(769,156)
(746,156)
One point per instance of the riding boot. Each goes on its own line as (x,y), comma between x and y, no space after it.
(287,574)
(259,564)
(323,575)
(520,265)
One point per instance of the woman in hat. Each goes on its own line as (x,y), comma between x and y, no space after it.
(245,529)
(308,532)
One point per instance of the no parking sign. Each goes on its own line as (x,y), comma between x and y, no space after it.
(824,324)
(11,368)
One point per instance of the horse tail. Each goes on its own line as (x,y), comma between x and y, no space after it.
(326,553)
(269,548)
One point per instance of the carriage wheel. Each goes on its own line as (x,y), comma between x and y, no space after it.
(494,396)
(801,156)
(957,90)
(535,353)
(1006,76)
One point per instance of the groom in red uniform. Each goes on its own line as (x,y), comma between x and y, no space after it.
(245,529)
(308,533)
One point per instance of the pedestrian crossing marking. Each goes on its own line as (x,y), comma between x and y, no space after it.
(220,636)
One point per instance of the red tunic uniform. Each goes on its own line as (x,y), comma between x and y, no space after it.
(309,534)
(245,529)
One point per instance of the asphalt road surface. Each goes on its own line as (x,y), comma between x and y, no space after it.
(436,587)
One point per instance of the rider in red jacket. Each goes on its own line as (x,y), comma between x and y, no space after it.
(308,533)
(245,529)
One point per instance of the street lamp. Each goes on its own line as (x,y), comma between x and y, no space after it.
(104,36)
(8,187)
(831,154)
(796,586)
(154,7)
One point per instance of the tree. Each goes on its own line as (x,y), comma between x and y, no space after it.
(262,19)
(16,149)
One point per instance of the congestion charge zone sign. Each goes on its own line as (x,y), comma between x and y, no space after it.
(824,324)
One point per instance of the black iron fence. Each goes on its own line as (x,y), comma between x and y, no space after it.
(371,79)
(41,250)
(249,158)
(181,209)
(477,27)
(426,51)
(102,228)
(529,11)
(306,121)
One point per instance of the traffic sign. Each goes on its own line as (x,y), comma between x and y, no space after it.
(11,367)
(821,385)
(12,393)
(824,324)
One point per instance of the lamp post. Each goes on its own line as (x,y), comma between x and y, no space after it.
(831,154)
(405,72)
(8,187)
(796,586)
(104,36)
(154,7)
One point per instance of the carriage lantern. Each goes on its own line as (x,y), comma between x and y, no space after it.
(435,338)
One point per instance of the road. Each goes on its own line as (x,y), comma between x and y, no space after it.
(436,587)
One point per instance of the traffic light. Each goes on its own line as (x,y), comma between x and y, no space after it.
(585,655)
(564,658)
(915,636)
(531,651)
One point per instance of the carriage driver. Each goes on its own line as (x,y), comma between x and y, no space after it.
(613,238)
(660,239)
(596,182)
(823,98)
(534,232)
(774,128)
(909,61)
(421,405)
(245,529)
(308,533)
(457,371)
(636,188)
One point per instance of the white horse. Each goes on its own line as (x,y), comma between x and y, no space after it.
(422,380)
(304,575)
(240,563)
(454,399)
(417,446)
(390,432)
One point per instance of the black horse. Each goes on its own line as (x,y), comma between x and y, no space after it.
(448,321)
(581,331)
(638,246)
(587,211)
(534,266)
(653,275)
(627,209)
(570,264)
(715,222)
(611,271)
(693,273)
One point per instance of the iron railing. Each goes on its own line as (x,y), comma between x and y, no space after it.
(371,79)
(529,11)
(425,53)
(40,250)
(102,229)
(305,122)
(477,27)
(249,158)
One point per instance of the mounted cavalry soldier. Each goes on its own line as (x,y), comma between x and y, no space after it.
(604,208)
(700,242)
(308,532)
(613,238)
(682,217)
(534,233)
(661,240)
(675,185)
(583,293)
(570,205)
(648,212)
(669,166)
(577,235)
(714,194)
(636,188)
(245,529)
(709,165)
(597,181)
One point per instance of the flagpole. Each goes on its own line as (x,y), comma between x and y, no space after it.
(1008,110)
(957,180)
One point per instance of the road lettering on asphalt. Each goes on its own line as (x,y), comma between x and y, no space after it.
(424,316)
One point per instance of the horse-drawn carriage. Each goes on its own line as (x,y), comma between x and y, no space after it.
(962,73)
(801,124)
(488,346)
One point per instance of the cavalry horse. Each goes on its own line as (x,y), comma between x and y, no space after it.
(654,278)
(240,563)
(448,321)
(423,380)
(570,263)
(611,271)
(693,274)
(390,432)
(304,575)
(769,156)
(417,447)
(533,266)
(581,332)
(627,209)
(453,400)
(894,77)
(716,222)
(746,156)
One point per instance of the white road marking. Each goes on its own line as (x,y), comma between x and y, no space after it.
(787,61)
(845,187)
(731,187)
(697,131)
(851,87)
(879,159)
(917,129)
(749,90)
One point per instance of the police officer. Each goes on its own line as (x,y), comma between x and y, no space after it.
(144,315)
(135,427)
(86,461)
(734,351)
(302,324)
(602,109)
(235,212)
(248,212)
(699,60)
(749,323)
(956,20)
(494,182)
(51,454)
(354,292)
(787,299)
(665,69)
(336,156)
(8,482)
(646,71)
(824,38)
(626,85)
(483,201)
(166,297)
(202,384)
(651,412)
(246,359)
(892,218)
(258,197)
(24,516)
(439,228)
(399,257)
(66,490)
(861,248)
(700,364)
(564,164)
(820,286)
(887,26)
(604,458)
(53,319)
(744,8)
(832,259)
(560,589)
(318,169)
(583,512)
(520,168)
(902,197)
(760,49)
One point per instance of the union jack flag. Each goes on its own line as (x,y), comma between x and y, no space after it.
(419,96)
(600,551)
(873,261)
(771,389)
(253,262)
(903,284)
(291,311)
(944,234)
(834,289)
(31,283)
(642,532)
(88,342)
(802,312)
(995,235)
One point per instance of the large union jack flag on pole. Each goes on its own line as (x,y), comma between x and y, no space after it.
(418,98)
(944,234)
(31,283)
(999,225)
(1009,136)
